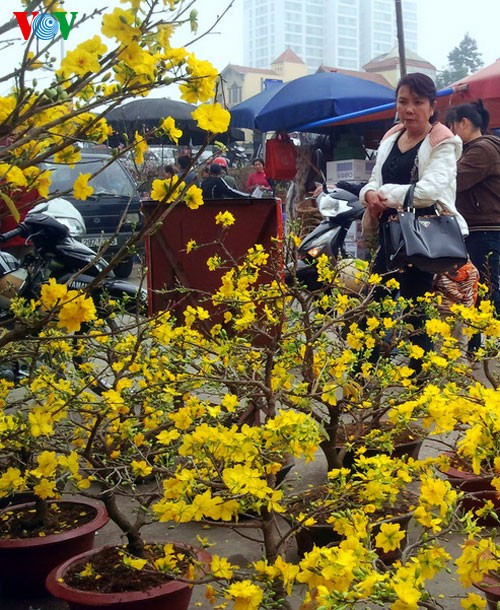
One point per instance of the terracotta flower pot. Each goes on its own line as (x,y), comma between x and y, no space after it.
(25,562)
(174,595)
(478,490)
(490,586)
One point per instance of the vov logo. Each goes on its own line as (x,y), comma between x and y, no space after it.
(45,26)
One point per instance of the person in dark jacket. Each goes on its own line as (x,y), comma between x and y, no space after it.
(215,186)
(478,191)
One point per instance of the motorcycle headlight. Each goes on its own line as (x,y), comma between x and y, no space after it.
(132,218)
(315,252)
(76,228)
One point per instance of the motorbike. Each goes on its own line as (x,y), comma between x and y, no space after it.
(236,156)
(339,208)
(56,254)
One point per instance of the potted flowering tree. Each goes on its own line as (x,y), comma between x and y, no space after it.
(41,119)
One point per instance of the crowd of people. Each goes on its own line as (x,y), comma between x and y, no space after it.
(215,180)
(455,167)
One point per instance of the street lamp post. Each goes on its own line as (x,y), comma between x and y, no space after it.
(401,39)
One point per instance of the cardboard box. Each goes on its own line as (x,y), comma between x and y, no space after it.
(358,170)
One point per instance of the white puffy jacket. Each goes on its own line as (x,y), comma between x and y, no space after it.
(437,170)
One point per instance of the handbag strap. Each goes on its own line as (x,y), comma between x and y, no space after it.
(408,201)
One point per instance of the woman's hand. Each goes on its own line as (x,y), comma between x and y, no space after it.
(375,203)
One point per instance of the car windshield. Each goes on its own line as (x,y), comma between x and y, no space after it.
(113,180)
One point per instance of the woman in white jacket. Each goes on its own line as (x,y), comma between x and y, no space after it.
(417,150)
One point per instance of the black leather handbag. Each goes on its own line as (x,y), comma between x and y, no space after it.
(432,243)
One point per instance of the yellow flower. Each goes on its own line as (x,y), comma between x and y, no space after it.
(80,309)
(203,76)
(11,481)
(245,594)
(52,294)
(212,117)
(69,155)
(226,219)
(12,174)
(81,188)
(119,25)
(45,489)
(407,594)
(40,422)
(389,537)
(79,62)
(32,63)
(141,468)
(165,437)
(230,402)
(134,562)
(190,246)
(193,197)
(166,190)
(168,126)
(221,567)
(141,146)
(473,602)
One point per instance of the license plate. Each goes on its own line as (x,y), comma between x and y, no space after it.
(97,242)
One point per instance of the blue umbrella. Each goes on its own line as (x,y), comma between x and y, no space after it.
(319,96)
(244,113)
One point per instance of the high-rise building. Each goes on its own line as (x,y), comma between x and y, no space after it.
(341,33)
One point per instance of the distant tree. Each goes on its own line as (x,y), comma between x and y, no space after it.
(462,61)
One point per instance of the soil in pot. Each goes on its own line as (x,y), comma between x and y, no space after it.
(407,442)
(99,578)
(323,534)
(28,551)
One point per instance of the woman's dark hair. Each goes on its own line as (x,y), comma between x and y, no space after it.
(422,85)
(258,159)
(474,111)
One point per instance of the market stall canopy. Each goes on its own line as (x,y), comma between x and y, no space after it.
(244,113)
(319,96)
(146,114)
(483,84)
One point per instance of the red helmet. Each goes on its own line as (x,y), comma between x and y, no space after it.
(220,161)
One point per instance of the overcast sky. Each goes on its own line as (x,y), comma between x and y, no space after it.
(442,24)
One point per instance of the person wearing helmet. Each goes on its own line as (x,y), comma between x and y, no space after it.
(216,187)
(225,172)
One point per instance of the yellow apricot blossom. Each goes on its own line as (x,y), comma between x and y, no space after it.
(212,117)
(81,187)
(75,312)
(118,25)
(169,127)
(245,595)
(193,197)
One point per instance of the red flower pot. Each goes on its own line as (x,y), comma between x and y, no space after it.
(25,562)
(478,490)
(490,586)
(174,595)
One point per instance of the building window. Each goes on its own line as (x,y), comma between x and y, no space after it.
(235,94)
